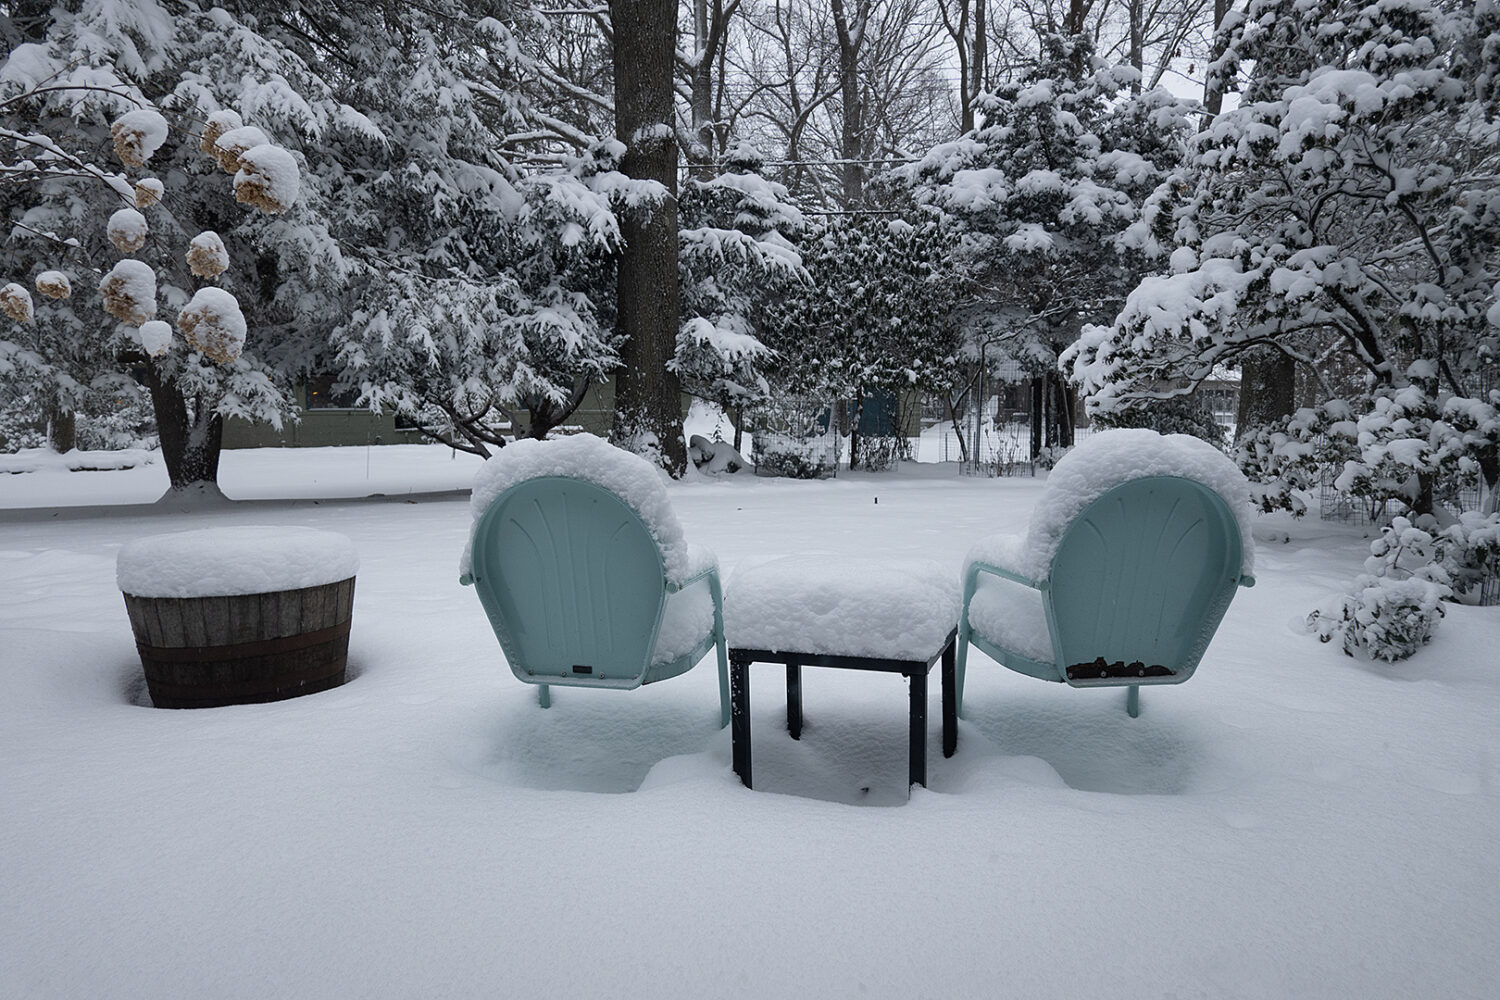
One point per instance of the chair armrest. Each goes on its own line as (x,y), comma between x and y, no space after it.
(706,574)
(971,577)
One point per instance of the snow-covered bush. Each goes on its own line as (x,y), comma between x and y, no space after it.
(1384,618)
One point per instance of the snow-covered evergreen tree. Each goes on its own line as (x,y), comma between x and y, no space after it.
(876,317)
(1349,204)
(1041,196)
(737,233)
(141,79)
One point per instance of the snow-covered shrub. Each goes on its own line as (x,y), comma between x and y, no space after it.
(795,458)
(1384,618)
(1461,555)
(1395,605)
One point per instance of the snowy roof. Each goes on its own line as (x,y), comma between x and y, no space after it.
(592,459)
(221,562)
(1103,461)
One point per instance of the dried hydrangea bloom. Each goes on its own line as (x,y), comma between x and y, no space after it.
(15,302)
(211,322)
(156,337)
(206,256)
(229,146)
(268,179)
(218,123)
(128,230)
(148,192)
(129,291)
(138,134)
(54,284)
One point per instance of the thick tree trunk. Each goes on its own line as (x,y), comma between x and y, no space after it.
(1213,97)
(850,37)
(648,412)
(62,426)
(1268,382)
(190,443)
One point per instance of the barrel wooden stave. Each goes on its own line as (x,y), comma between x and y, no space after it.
(200,652)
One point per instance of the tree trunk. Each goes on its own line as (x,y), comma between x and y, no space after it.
(648,408)
(1038,390)
(62,426)
(190,444)
(1268,382)
(850,37)
(1137,43)
(980,60)
(1213,97)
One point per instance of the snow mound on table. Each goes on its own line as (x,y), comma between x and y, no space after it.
(592,460)
(896,609)
(223,562)
(1098,465)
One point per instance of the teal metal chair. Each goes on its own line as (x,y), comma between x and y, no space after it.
(1138,584)
(576,589)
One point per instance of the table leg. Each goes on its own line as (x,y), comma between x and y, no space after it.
(739,718)
(916,771)
(950,704)
(794,700)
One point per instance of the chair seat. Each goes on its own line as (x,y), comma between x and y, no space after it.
(1011,616)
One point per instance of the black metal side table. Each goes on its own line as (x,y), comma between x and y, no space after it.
(915,671)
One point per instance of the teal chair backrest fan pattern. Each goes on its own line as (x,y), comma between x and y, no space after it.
(1140,580)
(576,590)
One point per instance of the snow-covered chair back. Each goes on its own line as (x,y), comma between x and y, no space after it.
(1140,582)
(574,575)
(1132,558)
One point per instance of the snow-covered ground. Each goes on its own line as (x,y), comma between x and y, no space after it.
(1291,823)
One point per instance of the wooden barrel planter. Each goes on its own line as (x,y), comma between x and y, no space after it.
(212,649)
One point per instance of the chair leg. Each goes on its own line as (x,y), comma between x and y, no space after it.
(1133,701)
(544,695)
(723,682)
(961,658)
